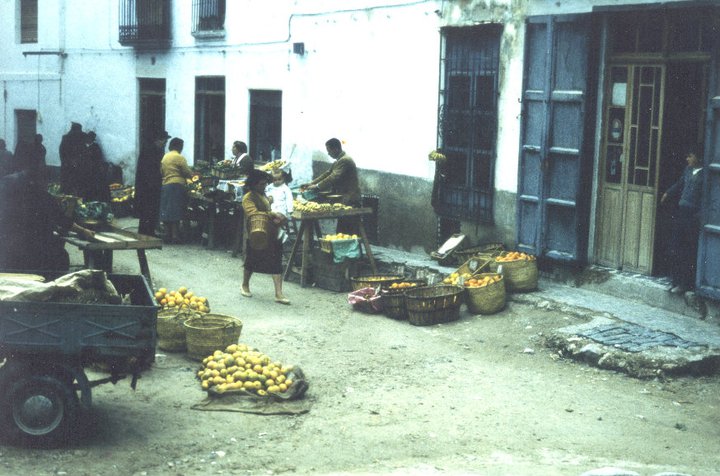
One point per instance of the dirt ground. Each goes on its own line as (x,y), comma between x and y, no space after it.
(477,396)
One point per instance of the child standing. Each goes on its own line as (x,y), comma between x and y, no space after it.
(281,198)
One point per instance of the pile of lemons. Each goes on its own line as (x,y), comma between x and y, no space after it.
(340,236)
(182,298)
(241,368)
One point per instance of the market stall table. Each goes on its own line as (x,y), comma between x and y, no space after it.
(309,226)
(214,206)
(98,252)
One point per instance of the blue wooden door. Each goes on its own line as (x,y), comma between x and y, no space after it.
(555,166)
(708,269)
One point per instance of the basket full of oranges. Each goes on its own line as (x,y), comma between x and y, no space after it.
(519,269)
(393,297)
(485,293)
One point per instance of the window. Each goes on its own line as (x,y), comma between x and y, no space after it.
(209,118)
(28,21)
(208,17)
(467,121)
(144,22)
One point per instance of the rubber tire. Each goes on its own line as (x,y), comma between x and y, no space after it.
(52,397)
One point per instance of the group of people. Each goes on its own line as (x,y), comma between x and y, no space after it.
(28,155)
(83,169)
(31,220)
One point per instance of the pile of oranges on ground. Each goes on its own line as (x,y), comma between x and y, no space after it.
(514,256)
(182,298)
(481,282)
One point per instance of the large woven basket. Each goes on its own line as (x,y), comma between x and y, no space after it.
(393,300)
(520,275)
(487,299)
(483,251)
(210,332)
(373,281)
(171,329)
(433,304)
(259,226)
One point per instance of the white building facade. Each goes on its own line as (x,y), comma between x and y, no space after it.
(557,118)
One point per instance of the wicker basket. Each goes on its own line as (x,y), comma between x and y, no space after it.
(206,334)
(171,329)
(393,300)
(259,225)
(487,299)
(487,250)
(433,304)
(520,275)
(373,281)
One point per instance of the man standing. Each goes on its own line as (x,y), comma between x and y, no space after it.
(687,194)
(148,181)
(72,147)
(342,179)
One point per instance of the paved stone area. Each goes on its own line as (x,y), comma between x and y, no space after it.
(620,329)
(634,338)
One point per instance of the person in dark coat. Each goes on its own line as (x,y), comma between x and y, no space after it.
(148,181)
(72,147)
(686,193)
(93,183)
(7,159)
(29,220)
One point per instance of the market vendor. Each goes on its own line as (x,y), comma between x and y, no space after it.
(342,179)
(241,158)
(31,222)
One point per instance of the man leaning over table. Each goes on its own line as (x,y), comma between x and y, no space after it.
(341,179)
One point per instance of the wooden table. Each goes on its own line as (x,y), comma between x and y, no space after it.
(310,226)
(98,253)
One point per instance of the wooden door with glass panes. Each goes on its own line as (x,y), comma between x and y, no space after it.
(631,139)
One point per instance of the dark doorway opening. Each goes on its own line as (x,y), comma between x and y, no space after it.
(265,125)
(683,131)
(152,104)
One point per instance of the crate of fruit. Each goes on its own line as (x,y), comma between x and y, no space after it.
(225,171)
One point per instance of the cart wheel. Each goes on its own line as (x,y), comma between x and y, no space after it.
(39,409)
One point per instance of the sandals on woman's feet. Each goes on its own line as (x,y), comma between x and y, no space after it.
(245,293)
(282,300)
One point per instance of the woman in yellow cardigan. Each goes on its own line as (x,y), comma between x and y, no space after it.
(173,198)
(269,259)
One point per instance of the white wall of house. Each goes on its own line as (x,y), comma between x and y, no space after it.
(369,75)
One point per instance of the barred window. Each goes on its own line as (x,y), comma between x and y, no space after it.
(208,15)
(467,121)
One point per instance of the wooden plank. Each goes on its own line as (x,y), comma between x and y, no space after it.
(331,214)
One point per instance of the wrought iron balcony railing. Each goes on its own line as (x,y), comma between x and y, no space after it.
(144,22)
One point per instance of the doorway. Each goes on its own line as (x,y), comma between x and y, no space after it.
(652,118)
(265,125)
(152,104)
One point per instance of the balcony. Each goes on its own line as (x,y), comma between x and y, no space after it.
(144,23)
